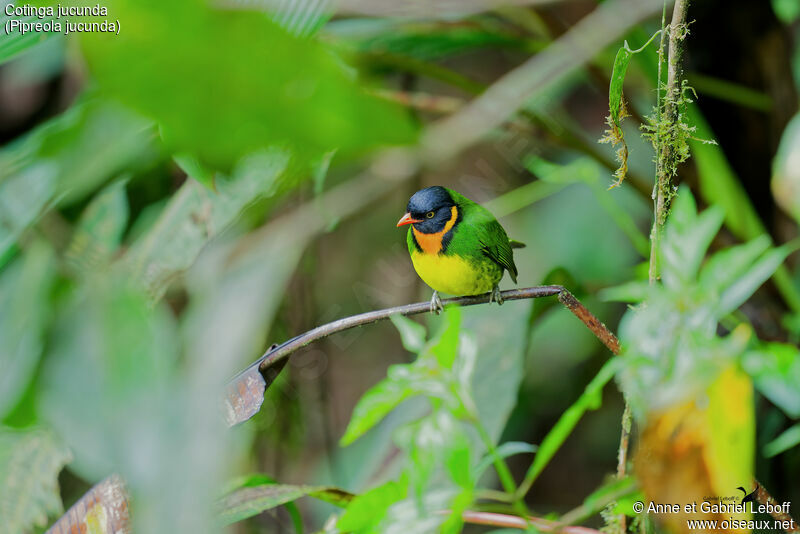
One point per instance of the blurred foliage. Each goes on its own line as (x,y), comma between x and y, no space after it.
(161,195)
(29,464)
(235,108)
(786,170)
(442,373)
(670,341)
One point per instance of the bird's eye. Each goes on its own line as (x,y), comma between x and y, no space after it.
(430,215)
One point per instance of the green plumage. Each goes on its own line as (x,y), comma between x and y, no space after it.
(479,236)
(457,246)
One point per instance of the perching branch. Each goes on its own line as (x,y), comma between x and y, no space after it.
(245,392)
(763,497)
(512,521)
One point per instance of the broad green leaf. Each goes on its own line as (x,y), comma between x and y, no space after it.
(787,440)
(590,399)
(375,405)
(686,239)
(23,198)
(245,96)
(14,43)
(758,273)
(367,510)
(411,332)
(30,461)
(91,142)
(458,459)
(726,266)
(497,336)
(195,214)
(419,39)
(252,500)
(65,158)
(99,231)
(109,344)
(445,346)
(24,304)
(775,369)
(195,169)
(719,185)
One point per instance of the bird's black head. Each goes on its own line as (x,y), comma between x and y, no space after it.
(429,210)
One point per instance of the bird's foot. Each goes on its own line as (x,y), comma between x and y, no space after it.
(496,296)
(436,304)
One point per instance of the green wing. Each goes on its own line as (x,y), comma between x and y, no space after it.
(494,243)
(491,238)
(480,233)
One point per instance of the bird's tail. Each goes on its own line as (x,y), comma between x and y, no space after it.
(516,244)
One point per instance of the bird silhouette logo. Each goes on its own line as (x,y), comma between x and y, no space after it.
(748,497)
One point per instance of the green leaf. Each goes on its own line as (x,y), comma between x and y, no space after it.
(632,292)
(245,96)
(65,158)
(509,448)
(30,462)
(252,500)
(109,344)
(786,10)
(420,39)
(726,266)
(686,239)
(611,491)
(366,511)
(621,61)
(775,369)
(24,196)
(376,404)
(758,273)
(785,175)
(411,332)
(14,43)
(590,399)
(788,439)
(719,185)
(445,345)
(24,304)
(99,231)
(194,169)
(195,214)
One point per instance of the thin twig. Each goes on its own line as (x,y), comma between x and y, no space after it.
(512,521)
(581,312)
(245,391)
(763,497)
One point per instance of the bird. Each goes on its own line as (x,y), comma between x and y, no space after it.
(456,245)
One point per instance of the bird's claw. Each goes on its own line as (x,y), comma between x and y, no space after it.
(436,304)
(496,296)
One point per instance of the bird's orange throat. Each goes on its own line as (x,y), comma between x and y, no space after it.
(432,243)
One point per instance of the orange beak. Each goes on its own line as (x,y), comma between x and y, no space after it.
(407,219)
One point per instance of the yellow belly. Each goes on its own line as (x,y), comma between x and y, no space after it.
(455,275)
